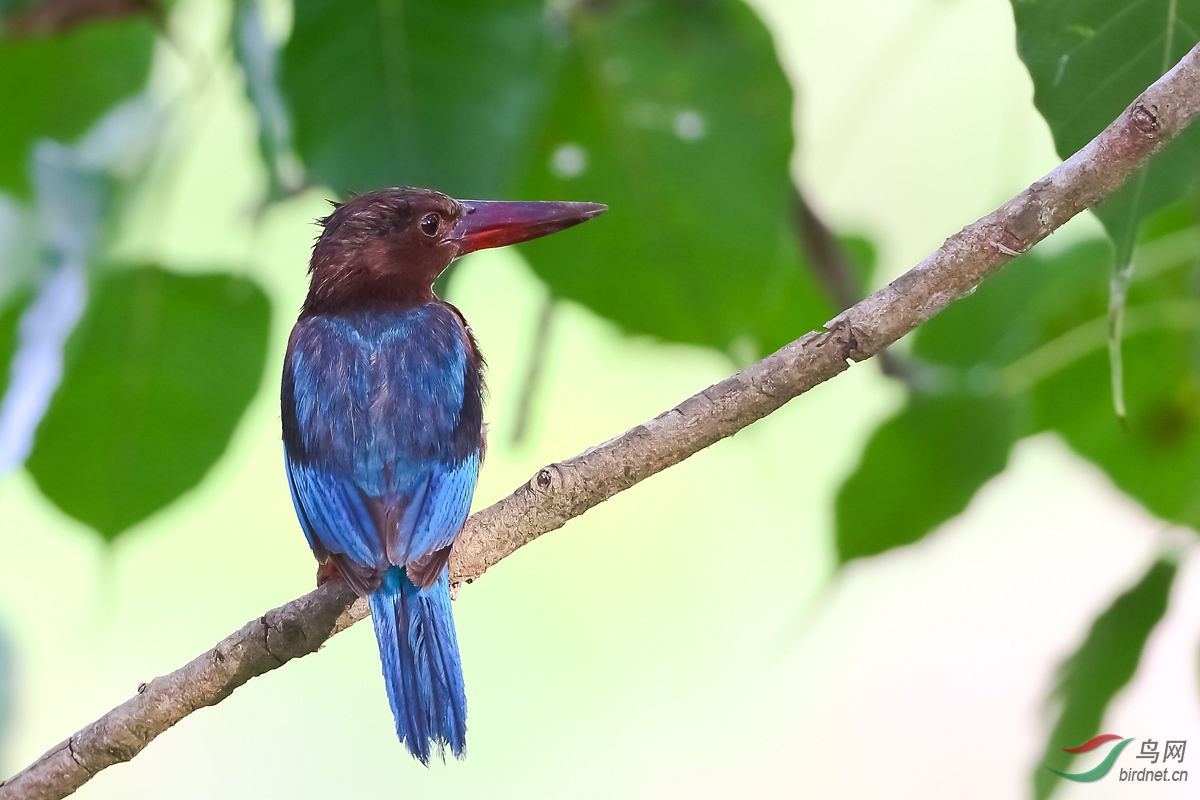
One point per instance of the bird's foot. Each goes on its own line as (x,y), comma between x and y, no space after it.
(327,571)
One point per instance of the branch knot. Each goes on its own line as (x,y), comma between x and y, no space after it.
(843,336)
(1145,119)
(544,480)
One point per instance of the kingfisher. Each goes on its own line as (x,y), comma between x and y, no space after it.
(383,434)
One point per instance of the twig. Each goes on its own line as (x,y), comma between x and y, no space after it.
(825,253)
(834,270)
(538,350)
(561,491)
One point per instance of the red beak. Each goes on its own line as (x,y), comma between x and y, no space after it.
(495,223)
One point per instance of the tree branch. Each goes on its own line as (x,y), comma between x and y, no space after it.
(833,269)
(564,490)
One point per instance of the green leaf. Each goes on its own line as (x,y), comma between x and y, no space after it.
(56,86)
(1104,663)
(1089,59)
(861,256)
(921,468)
(420,93)
(11,310)
(982,338)
(1155,455)
(259,60)
(977,361)
(1033,338)
(1038,332)
(20,247)
(158,374)
(678,116)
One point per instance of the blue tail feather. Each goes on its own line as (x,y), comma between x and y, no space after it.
(421,665)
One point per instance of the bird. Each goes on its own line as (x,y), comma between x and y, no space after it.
(383,433)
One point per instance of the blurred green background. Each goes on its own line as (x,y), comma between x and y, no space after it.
(717,630)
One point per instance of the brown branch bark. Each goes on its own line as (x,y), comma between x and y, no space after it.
(564,490)
(833,269)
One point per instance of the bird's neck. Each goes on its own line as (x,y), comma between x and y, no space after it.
(343,298)
(348,277)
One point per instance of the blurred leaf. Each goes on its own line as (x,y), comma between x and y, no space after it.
(28,18)
(19,247)
(36,366)
(1063,363)
(72,202)
(921,468)
(74,191)
(1104,663)
(678,116)
(10,317)
(1033,338)
(421,93)
(1089,59)
(861,256)
(160,370)
(1034,300)
(1155,456)
(56,86)
(259,60)
(1039,330)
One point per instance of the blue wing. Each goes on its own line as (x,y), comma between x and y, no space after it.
(332,513)
(373,439)
(444,508)
(336,517)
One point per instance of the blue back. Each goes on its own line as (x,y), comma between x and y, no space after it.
(382,425)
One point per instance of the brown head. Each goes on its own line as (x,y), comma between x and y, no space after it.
(386,248)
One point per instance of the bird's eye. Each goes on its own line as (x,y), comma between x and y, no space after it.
(430,224)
